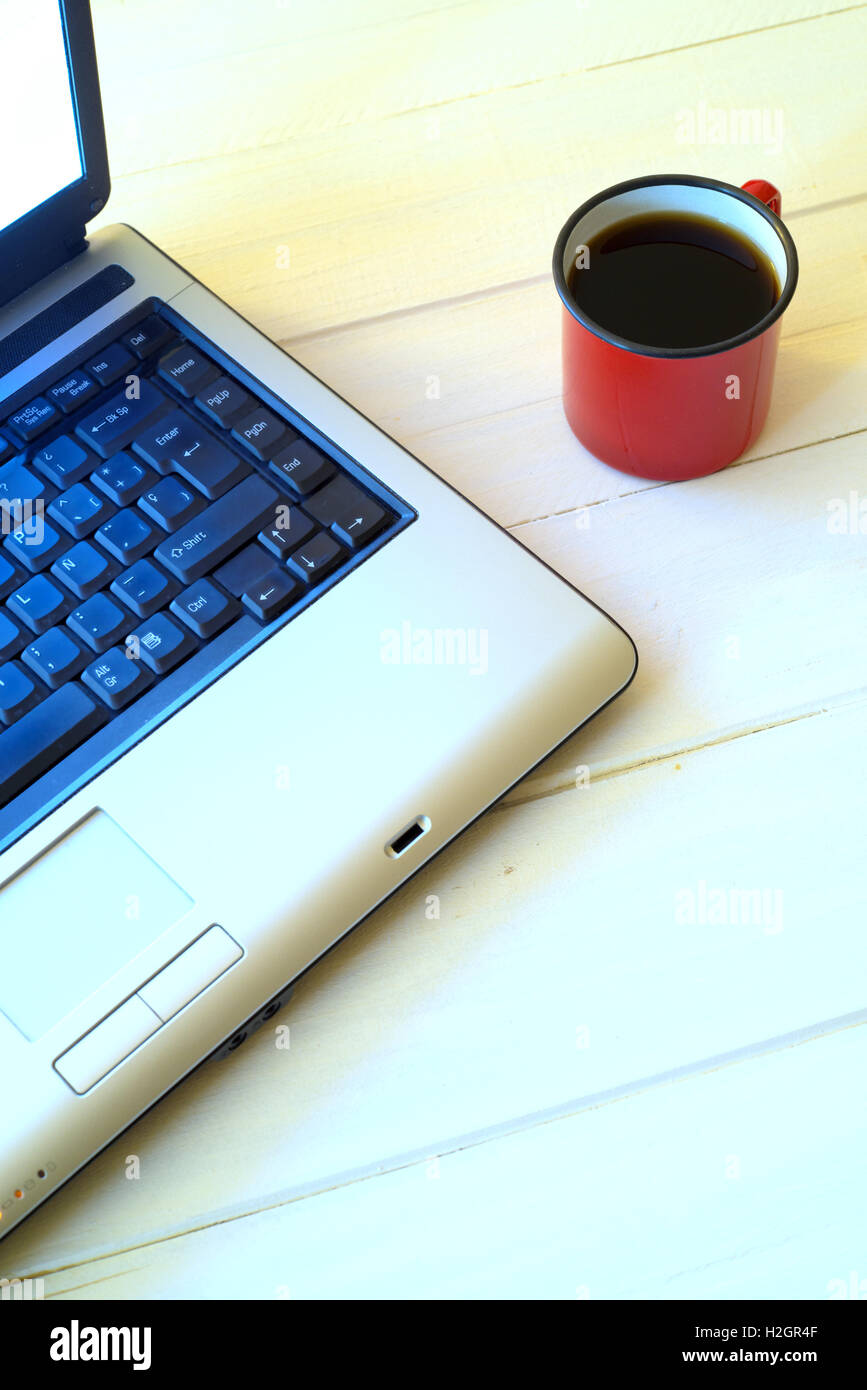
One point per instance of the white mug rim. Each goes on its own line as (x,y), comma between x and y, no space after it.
(789,258)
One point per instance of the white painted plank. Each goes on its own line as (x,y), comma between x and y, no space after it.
(379,215)
(744,1182)
(297,68)
(560,966)
(558,915)
(745,607)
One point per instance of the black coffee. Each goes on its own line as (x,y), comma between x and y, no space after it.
(673,280)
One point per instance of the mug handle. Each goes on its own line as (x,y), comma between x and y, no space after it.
(765,192)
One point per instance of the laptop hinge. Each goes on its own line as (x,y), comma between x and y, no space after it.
(75,244)
(49,256)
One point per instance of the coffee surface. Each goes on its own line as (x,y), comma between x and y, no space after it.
(673,280)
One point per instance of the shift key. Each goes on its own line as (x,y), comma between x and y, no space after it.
(219,530)
(118,420)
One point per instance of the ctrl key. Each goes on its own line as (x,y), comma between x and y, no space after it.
(204,609)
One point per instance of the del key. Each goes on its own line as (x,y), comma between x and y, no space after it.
(219,530)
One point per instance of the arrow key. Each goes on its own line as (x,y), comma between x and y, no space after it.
(271,596)
(356,531)
(353,516)
(289,529)
(314,560)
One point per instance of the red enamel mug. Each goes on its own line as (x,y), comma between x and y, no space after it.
(672,413)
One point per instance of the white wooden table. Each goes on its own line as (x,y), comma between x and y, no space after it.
(584,1078)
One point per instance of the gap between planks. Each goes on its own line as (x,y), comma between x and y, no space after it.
(559,76)
(491,1134)
(724,38)
(656,485)
(512,286)
(613,769)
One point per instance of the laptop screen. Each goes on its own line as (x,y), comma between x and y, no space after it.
(40,153)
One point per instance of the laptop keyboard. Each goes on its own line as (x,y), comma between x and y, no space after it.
(159,516)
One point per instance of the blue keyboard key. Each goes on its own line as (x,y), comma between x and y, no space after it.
(211,467)
(127,536)
(149,335)
(9,576)
(169,435)
(11,640)
(35,544)
(160,644)
(80,510)
(113,362)
(170,503)
(270,596)
(18,485)
(44,736)
(38,603)
(144,588)
(83,570)
(244,570)
(122,478)
(204,609)
(32,419)
(72,391)
(99,622)
(63,461)
(55,657)
(116,678)
(115,423)
(221,529)
(18,694)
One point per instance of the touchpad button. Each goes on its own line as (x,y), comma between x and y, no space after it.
(186,977)
(77,915)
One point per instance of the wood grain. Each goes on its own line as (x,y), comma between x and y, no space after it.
(563,965)
(740,1182)
(624,1103)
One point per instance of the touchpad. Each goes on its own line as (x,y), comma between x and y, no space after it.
(76,915)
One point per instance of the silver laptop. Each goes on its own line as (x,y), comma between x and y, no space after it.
(258,664)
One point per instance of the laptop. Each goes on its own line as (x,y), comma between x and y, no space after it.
(258,664)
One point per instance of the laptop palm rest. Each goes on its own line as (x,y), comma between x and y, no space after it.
(84,908)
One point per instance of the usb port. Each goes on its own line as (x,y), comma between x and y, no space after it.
(408,836)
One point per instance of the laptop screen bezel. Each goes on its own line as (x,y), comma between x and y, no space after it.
(51,233)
